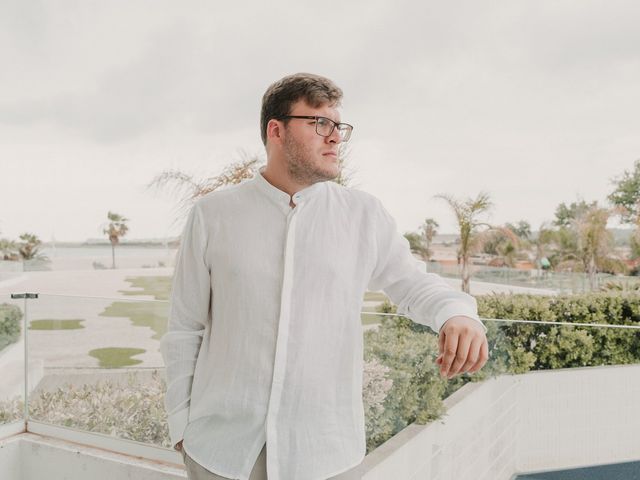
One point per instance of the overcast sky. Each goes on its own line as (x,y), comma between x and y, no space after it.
(534,102)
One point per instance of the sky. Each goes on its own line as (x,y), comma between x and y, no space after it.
(534,102)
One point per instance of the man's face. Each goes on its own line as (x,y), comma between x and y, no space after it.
(311,158)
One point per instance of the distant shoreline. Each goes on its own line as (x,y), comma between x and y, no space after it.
(133,243)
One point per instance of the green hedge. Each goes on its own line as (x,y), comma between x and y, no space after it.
(523,347)
(10,318)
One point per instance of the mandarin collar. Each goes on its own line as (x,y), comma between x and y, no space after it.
(281,197)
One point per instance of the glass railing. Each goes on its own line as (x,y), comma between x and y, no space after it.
(401,347)
(13,313)
(97,365)
(561,282)
(94,365)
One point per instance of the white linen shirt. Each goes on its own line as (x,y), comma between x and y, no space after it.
(265,340)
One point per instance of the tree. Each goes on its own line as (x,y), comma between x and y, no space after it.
(627,194)
(583,244)
(595,242)
(466,212)
(522,229)
(8,249)
(429,231)
(417,245)
(117,228)
(29,247)
(626,201)
(543,242)
(420,242)
(565,215)
(501,242)
(190,188)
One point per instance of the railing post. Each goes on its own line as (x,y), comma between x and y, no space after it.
(26,296)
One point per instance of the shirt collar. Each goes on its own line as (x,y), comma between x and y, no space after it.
(281,197)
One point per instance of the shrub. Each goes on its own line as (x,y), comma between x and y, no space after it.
(531,346)
(10,324)
(134,411)
(416,395)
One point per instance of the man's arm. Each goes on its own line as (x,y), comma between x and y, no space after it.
(427,299)
(188,316)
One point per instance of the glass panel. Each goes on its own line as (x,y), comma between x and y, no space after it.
(95,365)
(551,396)
(12,318)
(561,282)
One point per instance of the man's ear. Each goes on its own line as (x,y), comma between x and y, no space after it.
(274,130)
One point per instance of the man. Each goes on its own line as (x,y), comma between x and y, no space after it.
(264,349)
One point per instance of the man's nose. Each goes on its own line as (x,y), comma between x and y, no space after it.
(334,137)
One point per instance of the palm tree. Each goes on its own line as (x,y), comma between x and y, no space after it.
(8,249)
(190,188)
(117,228)
(466,212)
(30,246)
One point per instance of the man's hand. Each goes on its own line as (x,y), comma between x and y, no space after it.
(463,346)
(178,446)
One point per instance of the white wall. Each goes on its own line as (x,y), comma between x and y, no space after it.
(10,463)
(582,416)
(32,457)
(512,424)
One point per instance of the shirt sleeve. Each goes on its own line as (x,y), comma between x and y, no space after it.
(188,316)
(423,297)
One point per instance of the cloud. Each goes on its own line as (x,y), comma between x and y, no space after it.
(516,98)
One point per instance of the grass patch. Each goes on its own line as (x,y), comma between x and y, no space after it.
(141,314)
(114,357)
(52,324)
(157,286)
(375,297)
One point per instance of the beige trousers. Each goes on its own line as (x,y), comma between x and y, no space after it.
(195,471)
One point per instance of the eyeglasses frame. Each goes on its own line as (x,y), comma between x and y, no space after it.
(316,117)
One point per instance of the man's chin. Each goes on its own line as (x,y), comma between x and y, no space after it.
(328,175)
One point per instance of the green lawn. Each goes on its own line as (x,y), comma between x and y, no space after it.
(142,314)
(159,287)
(55,324)
(115,357)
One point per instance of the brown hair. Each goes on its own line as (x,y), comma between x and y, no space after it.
(281,95)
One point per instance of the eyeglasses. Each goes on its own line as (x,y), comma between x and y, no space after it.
(325,126)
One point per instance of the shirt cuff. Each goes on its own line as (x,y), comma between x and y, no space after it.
(455,311)
(177,425)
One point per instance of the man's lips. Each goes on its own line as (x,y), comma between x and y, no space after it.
(330,154)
